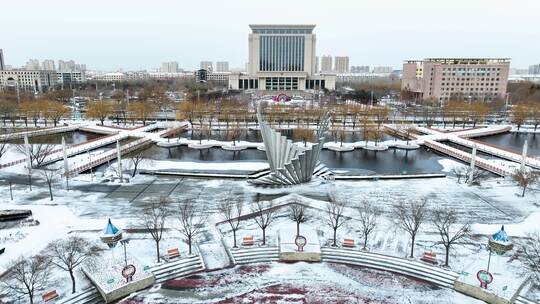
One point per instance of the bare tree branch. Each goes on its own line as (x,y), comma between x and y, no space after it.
(445,221)
(264,215)
(153,219)
(335,217)
(369,217)
(27,276)
(191,220)
(409,217)
(68,254)
(298,213)
(231,211)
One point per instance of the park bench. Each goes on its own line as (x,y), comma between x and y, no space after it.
(429,257)
(248,241)
(49,296)
(348,243)
(172,254)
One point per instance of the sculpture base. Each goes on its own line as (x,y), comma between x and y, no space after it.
(288,250)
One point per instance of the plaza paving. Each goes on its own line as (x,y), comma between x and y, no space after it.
(491,203)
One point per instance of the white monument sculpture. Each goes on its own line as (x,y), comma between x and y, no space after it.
(289,163)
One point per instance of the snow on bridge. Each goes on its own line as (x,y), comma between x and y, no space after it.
(432,138)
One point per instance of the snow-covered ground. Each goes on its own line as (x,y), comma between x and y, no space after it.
(87,206)
(299,283)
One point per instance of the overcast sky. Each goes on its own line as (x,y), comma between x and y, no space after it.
(135,34)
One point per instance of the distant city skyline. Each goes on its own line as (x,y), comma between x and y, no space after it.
(113,35)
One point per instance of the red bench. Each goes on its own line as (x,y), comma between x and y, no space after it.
(348,243)
(49,296)
(429,257)
(173,253)
(248,241)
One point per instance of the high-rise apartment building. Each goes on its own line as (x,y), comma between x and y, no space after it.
(2,63)
(533,69)
(465,78)
(282,57)
(382,69)
(341,64)
(48,65)
(207,65)
(326,64)
(32,64)
(360,69)
(169,67)
(222,66)
(70,66)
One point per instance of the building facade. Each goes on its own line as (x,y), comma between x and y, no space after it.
(25,80)
(360,69)
(471,79)
(48,65)
(32,65)
(206,65)
(169,67)
(533,69)
(341,64)
(326,64)
(66,78)
(282,58)
(2,63)
(222,66)
(382,70)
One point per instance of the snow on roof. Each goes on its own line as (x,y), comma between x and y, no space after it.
(500,236)
(110,229)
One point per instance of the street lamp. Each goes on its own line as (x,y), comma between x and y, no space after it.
(124,242)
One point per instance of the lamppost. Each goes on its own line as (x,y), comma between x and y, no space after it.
(125,241)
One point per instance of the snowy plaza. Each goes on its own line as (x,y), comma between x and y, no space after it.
(358,268)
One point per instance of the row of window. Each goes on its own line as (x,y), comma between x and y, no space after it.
(281,53)
(469,74)
(245,84)
(281,83)
(471,69)
(469,84)
(473,79)
(282,31)
(470,89)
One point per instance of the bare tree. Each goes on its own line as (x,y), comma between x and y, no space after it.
(530,256)
(27,276)
(153,220)
(264,215)
(304,134)
(191,220)
(445,221)
(138,158)
(38,152)
(50,175)
(460,172)
(4,144)
(231,211)
(234,133)
(335,217)
(69,253)
(477,177)
(298,213)
(409,217)
(524,178)
(369,216)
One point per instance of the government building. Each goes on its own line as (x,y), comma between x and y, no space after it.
(470,79)
(282,58)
